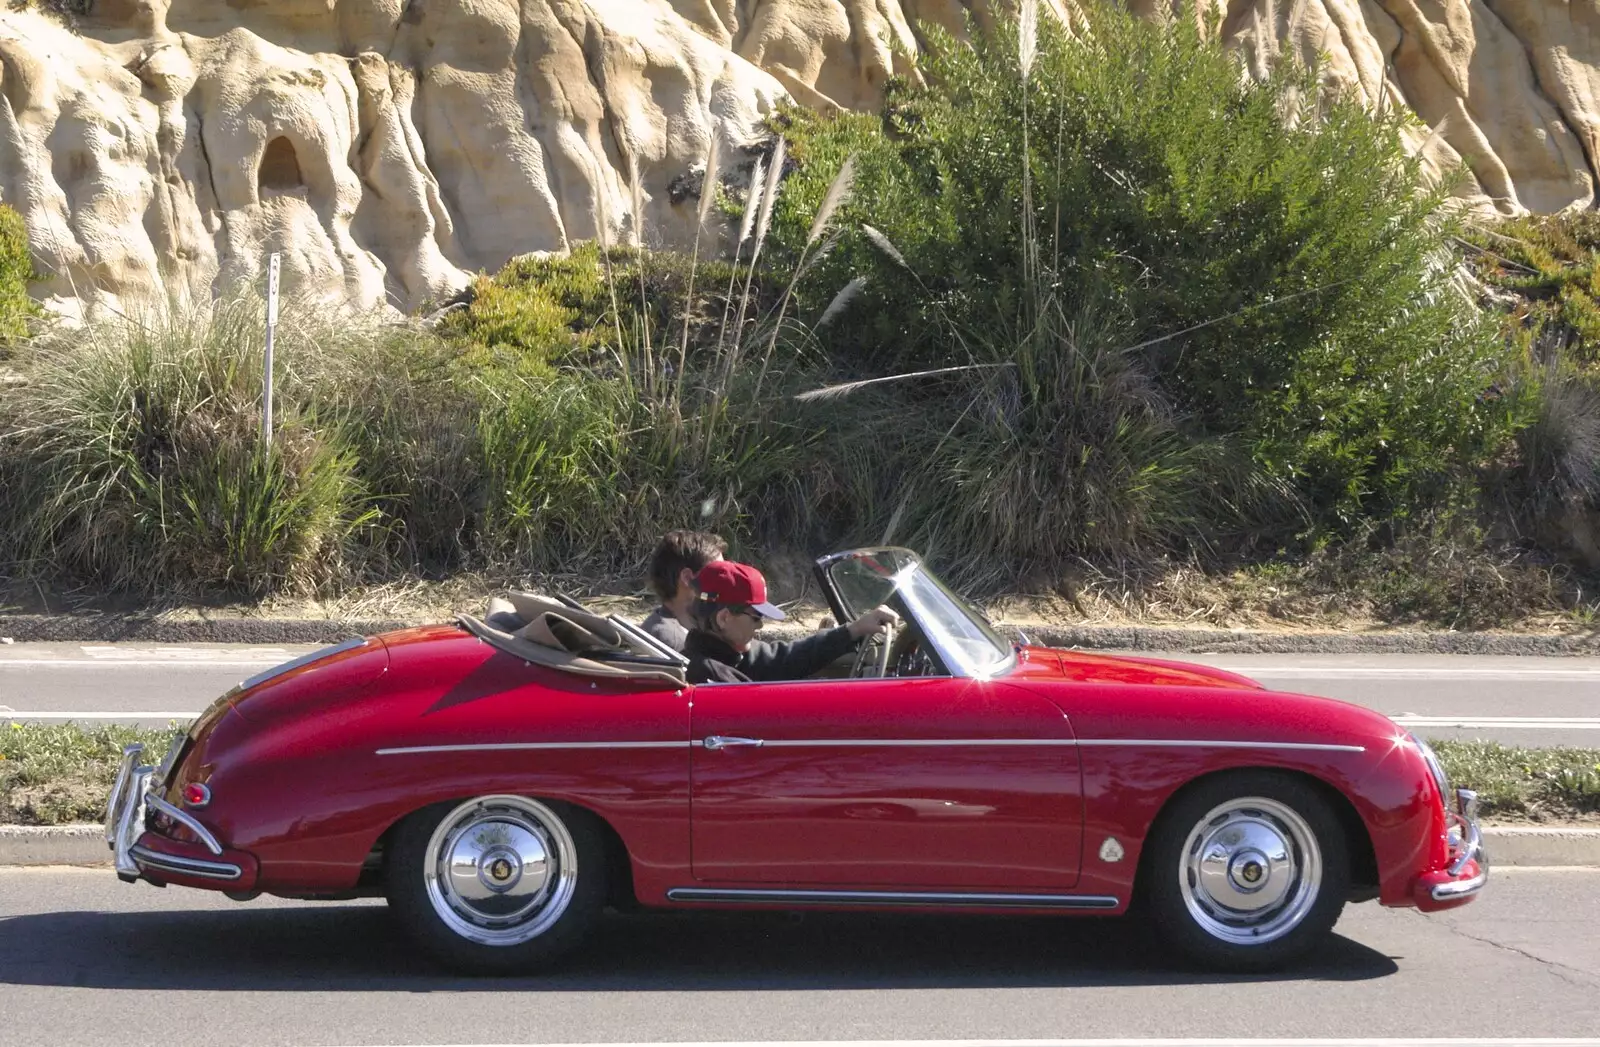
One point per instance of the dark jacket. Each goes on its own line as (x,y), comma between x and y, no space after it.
(664,627)
(711,660)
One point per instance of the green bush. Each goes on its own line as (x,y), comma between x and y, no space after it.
(134,460)
(1549,267)
(539,313)
(1284,269)
(16,269)
(139,462)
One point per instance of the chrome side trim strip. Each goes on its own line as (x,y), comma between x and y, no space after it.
(907,743)
(770,743)
(149,859)
(942,898)
(894,743)
(1211,743)
(517,746)
(186,819)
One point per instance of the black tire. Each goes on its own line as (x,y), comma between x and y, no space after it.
(1217,913)
(534,887)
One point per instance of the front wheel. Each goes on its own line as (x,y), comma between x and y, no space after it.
(496,885)
(1248,872)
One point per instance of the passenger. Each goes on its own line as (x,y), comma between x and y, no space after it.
(676,562)
(732,605)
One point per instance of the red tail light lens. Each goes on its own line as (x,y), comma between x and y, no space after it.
(196,795)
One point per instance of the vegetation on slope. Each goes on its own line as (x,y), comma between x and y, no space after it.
(1080,309)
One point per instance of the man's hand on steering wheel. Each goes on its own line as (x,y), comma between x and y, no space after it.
(874,621)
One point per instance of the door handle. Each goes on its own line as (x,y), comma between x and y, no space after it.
(722,741)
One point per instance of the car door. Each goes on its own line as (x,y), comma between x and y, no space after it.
(927,782)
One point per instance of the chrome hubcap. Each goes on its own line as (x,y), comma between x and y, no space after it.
(500,870)
(1251,871)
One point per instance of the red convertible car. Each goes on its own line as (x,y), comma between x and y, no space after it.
(500,781)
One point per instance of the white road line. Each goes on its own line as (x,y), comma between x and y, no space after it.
(1530,1041)
(131,714)
(1399,672)
(1513,723)
(178,653)
(80,663)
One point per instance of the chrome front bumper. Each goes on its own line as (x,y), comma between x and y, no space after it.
(133,796)
(1466,849)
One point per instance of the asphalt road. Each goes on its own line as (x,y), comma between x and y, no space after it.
(85,959)
(1525,701)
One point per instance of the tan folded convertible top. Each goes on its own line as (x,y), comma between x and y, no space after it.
(549,633)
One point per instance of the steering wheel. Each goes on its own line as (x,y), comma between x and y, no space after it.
(885,642)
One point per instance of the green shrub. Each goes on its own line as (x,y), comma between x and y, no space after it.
(16,269)
(539,313)
(1284,267)
(1549,268)
(1060,448)
(406,404)
(134,460)
(140,465)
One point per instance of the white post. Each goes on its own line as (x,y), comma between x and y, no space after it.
(272,322)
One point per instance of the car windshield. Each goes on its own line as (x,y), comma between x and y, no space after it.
(968,644)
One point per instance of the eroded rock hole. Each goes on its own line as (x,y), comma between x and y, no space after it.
(280,168)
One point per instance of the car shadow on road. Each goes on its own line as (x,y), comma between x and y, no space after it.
(359,948)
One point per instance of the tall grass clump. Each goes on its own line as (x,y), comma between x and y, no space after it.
(137,462)
(1281,263)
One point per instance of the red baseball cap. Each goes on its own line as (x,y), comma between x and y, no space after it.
(727,582)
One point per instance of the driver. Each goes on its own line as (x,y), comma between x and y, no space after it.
(732,605)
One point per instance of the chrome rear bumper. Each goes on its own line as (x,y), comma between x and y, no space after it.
(132,795)
(125,810)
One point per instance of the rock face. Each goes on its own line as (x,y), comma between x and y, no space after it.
(158,149)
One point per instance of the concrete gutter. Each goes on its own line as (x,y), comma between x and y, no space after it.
(85,844)
(155,628)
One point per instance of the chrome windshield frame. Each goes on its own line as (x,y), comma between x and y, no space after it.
(956,663)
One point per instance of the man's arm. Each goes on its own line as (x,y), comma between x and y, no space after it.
(796,659)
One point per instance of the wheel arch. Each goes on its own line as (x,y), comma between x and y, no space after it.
(1363,856)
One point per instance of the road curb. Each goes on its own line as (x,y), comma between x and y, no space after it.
(85,845)
(1534,845)
(81,844)
(156,628)
(1246,641)
(117,628)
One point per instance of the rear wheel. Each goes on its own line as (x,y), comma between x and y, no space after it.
(498,884)
(1248,871)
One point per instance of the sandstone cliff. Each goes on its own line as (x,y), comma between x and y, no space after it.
(157,149)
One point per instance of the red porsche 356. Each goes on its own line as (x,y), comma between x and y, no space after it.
(502,780)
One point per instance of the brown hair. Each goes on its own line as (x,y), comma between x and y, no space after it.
(678,550)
